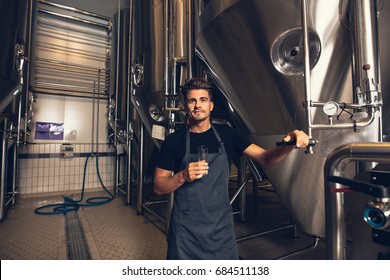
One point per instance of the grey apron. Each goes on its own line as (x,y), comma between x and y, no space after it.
(202,224)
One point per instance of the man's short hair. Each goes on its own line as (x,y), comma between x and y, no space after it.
(197,83)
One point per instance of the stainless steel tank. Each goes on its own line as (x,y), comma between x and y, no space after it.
(253,52)
(13,39)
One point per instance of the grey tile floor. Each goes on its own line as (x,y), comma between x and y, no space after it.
(114,231)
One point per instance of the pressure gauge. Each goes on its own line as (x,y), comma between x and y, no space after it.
(331,108)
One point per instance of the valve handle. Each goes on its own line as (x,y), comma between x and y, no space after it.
(312,143)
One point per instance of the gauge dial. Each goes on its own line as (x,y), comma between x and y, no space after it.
(331,108)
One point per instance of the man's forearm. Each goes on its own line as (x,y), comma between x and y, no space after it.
(276,154)
(168,184)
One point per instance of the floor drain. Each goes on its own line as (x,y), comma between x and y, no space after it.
(76,242)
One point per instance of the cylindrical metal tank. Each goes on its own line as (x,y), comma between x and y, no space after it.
(254,52)
(12,33)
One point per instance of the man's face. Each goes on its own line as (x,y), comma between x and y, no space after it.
(199,105)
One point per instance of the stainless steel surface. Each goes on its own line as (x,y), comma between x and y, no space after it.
(12,70)
(365,48)
(161,52)
(235,38)
(335,165)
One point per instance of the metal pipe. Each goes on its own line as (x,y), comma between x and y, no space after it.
(140,169)
(93,121)
(3,174)
(306,72)
(355,125)
(16,151)
(176,63)
(190,44)
(364,33)
(130,88)
(365,70)
(166,39)
(129,170)
(341,105)
(119,190)
(98,114)
(242,185)
(243,178)
(301,251)
(114,123)
(240,239)
(28,66)
(10,97)
(153,213)
(334,201)
(166,49)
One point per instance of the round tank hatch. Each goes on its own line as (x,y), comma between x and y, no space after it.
(156,112)
(287,52)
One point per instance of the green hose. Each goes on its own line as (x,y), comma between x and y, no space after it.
(70,204)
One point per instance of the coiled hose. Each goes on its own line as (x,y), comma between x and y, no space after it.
(70,204)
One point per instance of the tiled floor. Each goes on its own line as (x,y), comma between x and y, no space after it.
(114,231)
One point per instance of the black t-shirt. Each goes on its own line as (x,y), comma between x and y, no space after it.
(174,147)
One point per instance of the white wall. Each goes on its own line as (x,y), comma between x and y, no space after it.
(77,116)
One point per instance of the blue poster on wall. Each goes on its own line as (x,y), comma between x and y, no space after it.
(49,131)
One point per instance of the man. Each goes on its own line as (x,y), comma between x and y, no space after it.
(201,225)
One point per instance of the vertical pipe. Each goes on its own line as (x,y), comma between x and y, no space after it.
(3,174)
(117,159)
(307,72)
(364,35)
(14,173)
(16,149)
(140,169)
(365,61)
(129,171)
(241,180)
(98,114)
(117,171)
(28,66)
(166,88)
(166,48)
(130,89)
(93,118)
(190,50)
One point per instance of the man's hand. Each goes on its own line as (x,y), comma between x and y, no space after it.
(195,170)
(302,139)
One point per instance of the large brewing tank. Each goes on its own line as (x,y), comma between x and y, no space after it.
(141,71)
(12,34)
(253,51)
